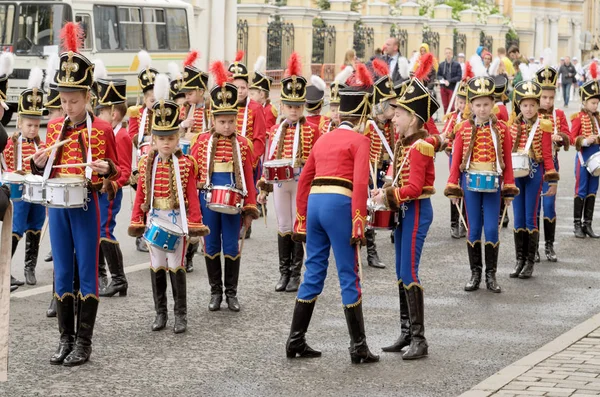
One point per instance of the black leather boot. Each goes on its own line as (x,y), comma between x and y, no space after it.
(418,344)
(66,326)
(476,264)
(491,265)
(359,351)
(14,281)
(405,337)
(140,244)
(454,228)
(284,247)
(189,257)
(372,256)
(179,287)
(13,288)
(577,215)
(102,277)
(32,249)
(588,216)
(532,245)
(521,243)
(296,270)
(537,258)
(48,257)
(86,318)
(549,233)
(159,293)
(114,258)
(296,343)
(215,280)
(232,274)
(51,312)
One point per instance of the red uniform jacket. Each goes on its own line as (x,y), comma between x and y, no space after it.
(378,152)
(270,115)
(223,160)
(135,119)
(501,112)
(320,121)
(308,137)
(560,126)
(124,153)
(255,128)
(199,116)
(541,146)
(11,152)
(582,127)
(340,158)
(431,127)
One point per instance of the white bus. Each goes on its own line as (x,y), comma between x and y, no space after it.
(114,32)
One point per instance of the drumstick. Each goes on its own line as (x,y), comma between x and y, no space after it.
(243,234)
(360,267)
(304,248)
(49,148)
(462,219)
(262,208)
(44,228)
(76,165)
(503,216)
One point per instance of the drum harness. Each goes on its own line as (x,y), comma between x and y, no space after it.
(20,153)
(277,137)
(208,185)
(180,196)
(495,142)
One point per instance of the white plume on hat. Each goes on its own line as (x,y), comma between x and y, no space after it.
(100,72)
(413,60)
(526,71)
(494,67)
(261,64)
(51,67)
(144,60)
(477,66)
(7,62)
(36,77)
(403,67)
(161,87)
(342,76)
(174,70)
(318,82)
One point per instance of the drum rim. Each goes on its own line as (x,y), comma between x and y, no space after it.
(224,187)
(20,178)
(224,206)
(280,162)
(173,232)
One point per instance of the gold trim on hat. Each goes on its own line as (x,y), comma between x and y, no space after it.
(111,85)
(69,67)
(161,115)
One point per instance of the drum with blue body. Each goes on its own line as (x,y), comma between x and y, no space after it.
(185,146)
(483,181)
(163,235)
(15,183)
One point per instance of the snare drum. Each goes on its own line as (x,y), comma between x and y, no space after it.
(66,192)
(184,146)
(482,181)
(163,235)
(225,199)
(145,148)
(593,164)
(15,183)
(277,171)
(521,165)
(379,217)
(34,189)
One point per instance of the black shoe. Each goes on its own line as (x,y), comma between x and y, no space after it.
(531,249)
(491,265)
(14,281)
(454,221)
(114,258)
(232,274)
(476,265)
(418,345)
(588,215)
(14,288)
(189,257)
(296,345)
(296,270)
(392,237)
(521,244)
(159,293)
(179,287)
(359,350)
(537,258)
(285,247)
(215,302)
(372,256)
(405,337)
(51,312)
(66,326)
(48,257)
(577,215)
(549,233)
(86,318)
(232,303)
(140,244)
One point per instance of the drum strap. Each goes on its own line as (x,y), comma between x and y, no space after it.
(180,197)
(597,133)
(117,128)
(241,167)
(20,153)
(142,126)
(383,140)
(399,172)
(531,135)
(329,126)
(555,121)
(277,137)
(245,123)
(52,158)
(296,144)
(495,142)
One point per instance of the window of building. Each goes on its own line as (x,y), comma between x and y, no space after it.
(86,24)
(106,28)
(155,29)
(130,22)
(178,29)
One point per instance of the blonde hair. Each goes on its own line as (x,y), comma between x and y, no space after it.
(349,58)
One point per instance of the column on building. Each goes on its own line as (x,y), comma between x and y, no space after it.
(553,22)
(496,28)
(217,30)
(576,50)
(378,17)
(301,13)
(413,23)
(539,36)
(470,27)
(231,19)
(342,18)
(257,13)
(443,24)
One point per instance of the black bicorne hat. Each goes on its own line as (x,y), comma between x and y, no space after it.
(111,92)
(175,89)
(75,72)
(355,102)
(527,90)
(193,79)
(479,87)
(261,81)
(146,78)
(31,103)
(165,118)
(293,90)
(383,89)
(590,89)
(547,77)
(238,70)
(500,82)
(223,99)
(417,100)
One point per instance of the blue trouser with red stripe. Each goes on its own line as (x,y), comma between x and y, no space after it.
(27,217)
(482,214)
(414,220)
(75,232)
(108,214)
(329,225)
(549,202)
(527,203)
(585,183)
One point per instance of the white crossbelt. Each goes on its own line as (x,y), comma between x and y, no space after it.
(20,153)
(383,140)
(180,196)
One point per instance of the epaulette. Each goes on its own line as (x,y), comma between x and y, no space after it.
(274,111)
(546,126)
(459,125)
(142,162)
(447,116)
(134,111)
(574,116)
(425,148)
(496,109)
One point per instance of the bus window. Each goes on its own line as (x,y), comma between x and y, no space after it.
(178,29)
(85,21)
(39,26)
(7,17)
(130,20)
(106,28)
(155,29)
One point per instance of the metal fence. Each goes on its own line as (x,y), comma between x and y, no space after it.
(280,43)
(323,50)
(364,41)
(402,36)
(460,43)
(242,38)
(433,40)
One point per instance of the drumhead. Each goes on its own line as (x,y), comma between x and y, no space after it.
(183,142)
(167,225)
(65,181)
(218,187)
(34,178)
(277,163)
(12,177)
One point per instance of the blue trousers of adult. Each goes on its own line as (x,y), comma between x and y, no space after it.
(566,92)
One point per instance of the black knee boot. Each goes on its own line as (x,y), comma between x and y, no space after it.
(232,275)
(296,343)
(454,221)
(51,312)
(215,280)
(86,318)
(418,344)
(159,293)
(189,257)
(372,256)
(32,249)
(65,313)
(588,216)
(491,265)
(114,258)
(102,277)
(296,270)
(521,244)
(405,336)
(359,351)
(284,247)
(179,287)
(549,233)
(532,246)
(476,264)
(14,281)
(577,215)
